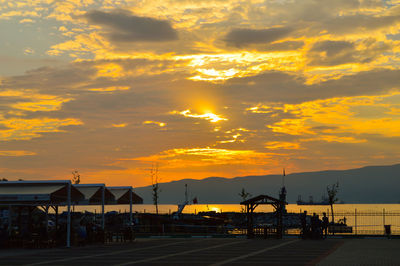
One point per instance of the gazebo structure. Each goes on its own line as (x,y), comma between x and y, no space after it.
(251,205)
(95,194)
(45,194)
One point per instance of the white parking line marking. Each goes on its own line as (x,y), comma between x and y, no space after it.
(179,253)
(252,253)
(110,253)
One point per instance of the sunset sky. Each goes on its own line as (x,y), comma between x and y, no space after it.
(201,88)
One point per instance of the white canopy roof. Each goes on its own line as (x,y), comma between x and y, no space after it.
(93,193)
(122,195)
(37,192)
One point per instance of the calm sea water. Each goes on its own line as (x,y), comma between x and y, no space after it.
(294,208)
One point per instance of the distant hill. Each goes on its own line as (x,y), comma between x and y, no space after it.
(371,184)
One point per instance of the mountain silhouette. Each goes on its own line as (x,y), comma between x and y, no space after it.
(371,184)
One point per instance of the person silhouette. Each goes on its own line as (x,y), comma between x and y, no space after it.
(303,220)
(325,223)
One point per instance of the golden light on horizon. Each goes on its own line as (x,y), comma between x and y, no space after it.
(215,209)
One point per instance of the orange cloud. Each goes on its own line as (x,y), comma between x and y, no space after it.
(343,117)
(119,125)
(26,129)
(33,101)
(205,156)
(160,124)
(16,153)
(110,89)
(278,145)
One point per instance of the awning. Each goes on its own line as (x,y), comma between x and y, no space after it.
(93,194)
(122,195)
(37,192)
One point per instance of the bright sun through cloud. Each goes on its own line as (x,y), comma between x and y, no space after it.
(204,88)
(213,118)
(205,104)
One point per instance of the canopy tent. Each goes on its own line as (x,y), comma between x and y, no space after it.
(122,195)
(37,193)
(41,193)
(95,194)
(125,195)
(57,193)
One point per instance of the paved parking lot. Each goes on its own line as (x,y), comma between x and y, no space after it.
(202,251)
(365,252)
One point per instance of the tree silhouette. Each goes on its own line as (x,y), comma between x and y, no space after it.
(155,188)
(244,195)
(76,177)
(332,192)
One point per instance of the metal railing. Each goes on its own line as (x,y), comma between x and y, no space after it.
(367,222)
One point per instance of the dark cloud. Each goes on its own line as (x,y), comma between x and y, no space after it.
(277,46)
(12,65)
(242,37)
(358,23)
(324,128)
(51,79)
(121,26)
(332,47)
(284,46)
(330,53)
(282,87)
(79,77)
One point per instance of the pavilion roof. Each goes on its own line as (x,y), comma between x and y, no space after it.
(93,194)
(37,192)
(261,199)
(122,195)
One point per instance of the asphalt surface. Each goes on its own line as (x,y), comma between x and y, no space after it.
(202,251)
(365,252)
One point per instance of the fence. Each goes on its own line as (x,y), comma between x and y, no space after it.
(368,222)
(359,222)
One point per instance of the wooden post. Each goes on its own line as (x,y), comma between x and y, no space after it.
(250,231)
(130,208)
(279,228)
(9,219)
(383,216)
(56,209)
(69,215)
(355,221)
(47,218)
(19,218)
(102,207)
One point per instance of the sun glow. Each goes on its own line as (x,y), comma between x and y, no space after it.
(202,88)
(215,209)
(213,118)
(224,66)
